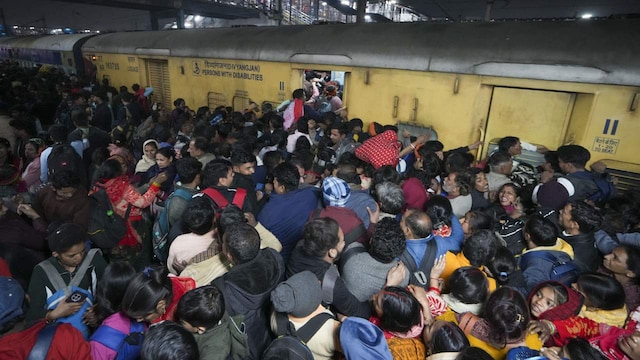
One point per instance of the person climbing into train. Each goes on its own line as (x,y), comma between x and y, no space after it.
(294,109)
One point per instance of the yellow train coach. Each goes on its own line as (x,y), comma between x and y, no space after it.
(550,83)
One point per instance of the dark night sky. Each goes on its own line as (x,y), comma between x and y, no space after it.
(59,14)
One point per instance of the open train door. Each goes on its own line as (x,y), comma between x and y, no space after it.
(535,116)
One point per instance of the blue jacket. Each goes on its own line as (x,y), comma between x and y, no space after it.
(285,215)
(536,270)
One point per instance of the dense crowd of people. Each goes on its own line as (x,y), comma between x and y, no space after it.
(265,233)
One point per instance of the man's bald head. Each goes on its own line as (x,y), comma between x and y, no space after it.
(417,224)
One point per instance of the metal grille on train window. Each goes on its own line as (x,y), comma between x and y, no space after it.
(158,78)
(240,103)
(215,99)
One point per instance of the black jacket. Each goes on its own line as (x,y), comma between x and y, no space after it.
(585,253)
(247,290)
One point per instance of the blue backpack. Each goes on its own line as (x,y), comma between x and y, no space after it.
(127,346)
(160,234)
(563,269)
(71,290)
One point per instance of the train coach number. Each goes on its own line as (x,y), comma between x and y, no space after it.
(112,66)
(605,145)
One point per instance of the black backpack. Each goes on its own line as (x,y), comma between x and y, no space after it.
(64,157)
(420,276)
(563,270)
(292,343)
(105,228)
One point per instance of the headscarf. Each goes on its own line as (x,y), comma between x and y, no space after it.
(146,162)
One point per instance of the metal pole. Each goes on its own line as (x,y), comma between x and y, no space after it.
(487,13)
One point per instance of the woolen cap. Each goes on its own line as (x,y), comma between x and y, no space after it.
(553,194)
(299,295)
(336,192)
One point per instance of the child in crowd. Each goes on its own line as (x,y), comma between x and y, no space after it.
(62,287)
(145,300)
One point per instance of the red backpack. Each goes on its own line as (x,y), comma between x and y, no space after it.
(222,202)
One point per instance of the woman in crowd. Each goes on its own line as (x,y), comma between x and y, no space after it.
(31,174)
(128,203)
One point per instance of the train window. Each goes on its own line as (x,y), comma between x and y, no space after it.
(215,99)
(330,85)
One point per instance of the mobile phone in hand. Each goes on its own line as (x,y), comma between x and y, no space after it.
(76,297)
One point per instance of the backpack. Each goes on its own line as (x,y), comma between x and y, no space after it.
(65,157)
(606,189)
(292,343)
(105,228)
(160,234)
(127,346)
(323,104)
(420,276)
(563,270)
(125,130)
(249,330)
(222,202)
(63,290)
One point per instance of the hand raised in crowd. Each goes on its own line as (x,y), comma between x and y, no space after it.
(160,178)
(476,145)
(374,215)
(90,317)
(396,275)
(437,270)
(26,209)
(251,219)
(540,328)
(421,295)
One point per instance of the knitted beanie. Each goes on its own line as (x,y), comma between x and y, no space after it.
(553,194)
(299,295)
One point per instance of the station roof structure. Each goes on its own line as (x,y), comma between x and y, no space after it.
(522,9)
(436,9)
(168,8)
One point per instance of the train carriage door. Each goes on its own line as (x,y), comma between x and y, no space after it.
(332,84)
(158,78)
(535,116)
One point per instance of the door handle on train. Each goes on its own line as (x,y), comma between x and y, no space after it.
(396,100)
(481,147)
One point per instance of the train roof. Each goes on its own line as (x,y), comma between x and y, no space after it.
(581,51)
(47,42)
